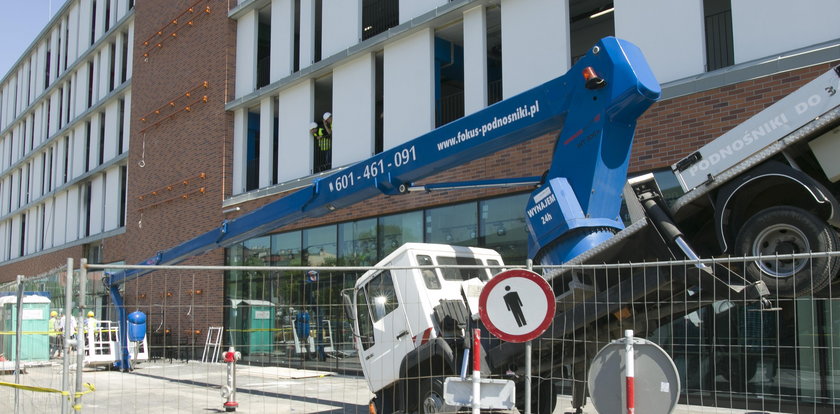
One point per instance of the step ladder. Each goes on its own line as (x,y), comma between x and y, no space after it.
(212,344)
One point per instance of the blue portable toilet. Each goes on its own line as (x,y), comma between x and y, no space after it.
(136,326)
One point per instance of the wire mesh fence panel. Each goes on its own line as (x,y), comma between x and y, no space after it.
(333,339)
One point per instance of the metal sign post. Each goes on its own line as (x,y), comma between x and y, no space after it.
(508,317)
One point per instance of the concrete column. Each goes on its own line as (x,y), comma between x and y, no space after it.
(266,141)
(410,9)
(112,199)
(676,48)
(307,33)
(408,89)
(295,146)
(353,110)
(240,136)
(475,59)
(763,29)
(246,53)
(535,43)
(343,19)
(282,39)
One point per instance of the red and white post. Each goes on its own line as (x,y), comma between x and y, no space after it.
(629,374)
(229,389)
(476,377)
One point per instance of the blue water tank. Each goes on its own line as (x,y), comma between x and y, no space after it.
(136,326)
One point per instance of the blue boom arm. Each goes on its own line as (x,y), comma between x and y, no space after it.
(595,122)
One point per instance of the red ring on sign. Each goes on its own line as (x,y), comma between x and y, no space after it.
(501,277)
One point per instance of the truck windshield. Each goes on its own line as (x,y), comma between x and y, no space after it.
(461,274)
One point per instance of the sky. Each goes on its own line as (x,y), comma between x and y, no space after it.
(20,23)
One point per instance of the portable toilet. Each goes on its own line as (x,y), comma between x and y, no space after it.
(35,345)
(252,326)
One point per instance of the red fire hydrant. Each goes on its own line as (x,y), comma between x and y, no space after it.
(229,389)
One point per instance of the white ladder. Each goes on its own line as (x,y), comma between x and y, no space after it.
(214,340)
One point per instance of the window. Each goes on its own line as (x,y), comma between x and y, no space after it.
(357,243)
(263,47)
(121,127)
(379,16)
(252,177)
(718,26)
(101,138)
(319,246)
(459,274)
(382,297)
(112,66)
(90,84)
(124,58)
(430,278)
(455,224)
(503,227)
(449,85)
(87,145)
(93,22)
(285,249)
(123,193)
(398,229)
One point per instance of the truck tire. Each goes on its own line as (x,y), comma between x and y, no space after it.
(785,230)
(386,401)
(431,397)
(543,396)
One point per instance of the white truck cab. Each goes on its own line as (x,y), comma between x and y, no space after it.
(393,310)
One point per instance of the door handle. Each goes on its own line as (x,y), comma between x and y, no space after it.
(368,357)
(402,334)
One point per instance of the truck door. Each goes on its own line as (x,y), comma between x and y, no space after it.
(379,313)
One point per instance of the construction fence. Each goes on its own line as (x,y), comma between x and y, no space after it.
(301,353)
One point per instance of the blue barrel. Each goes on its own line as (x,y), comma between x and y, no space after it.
(136,326)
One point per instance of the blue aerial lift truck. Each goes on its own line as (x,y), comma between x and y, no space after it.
(573,214)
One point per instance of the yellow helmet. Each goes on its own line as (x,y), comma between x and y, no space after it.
(53,313)
(90,314)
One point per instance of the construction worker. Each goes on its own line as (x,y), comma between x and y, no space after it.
(90,324)
(55,349)
(328,123)
(64,325)
(323,144)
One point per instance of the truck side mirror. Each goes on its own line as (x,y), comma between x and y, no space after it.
(347,298)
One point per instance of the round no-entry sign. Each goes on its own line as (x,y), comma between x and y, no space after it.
(516,305)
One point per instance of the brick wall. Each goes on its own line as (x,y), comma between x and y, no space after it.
(168,201)
(673,128)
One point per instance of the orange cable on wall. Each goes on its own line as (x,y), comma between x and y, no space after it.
(182,102)
(164,33)
(174,191)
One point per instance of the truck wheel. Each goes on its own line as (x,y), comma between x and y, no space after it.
(431,397)
(543,396)
(786,230)
(386,401)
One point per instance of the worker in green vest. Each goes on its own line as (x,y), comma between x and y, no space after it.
(55,348)
(323,147)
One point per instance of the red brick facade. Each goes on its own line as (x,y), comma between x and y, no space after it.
(183,176)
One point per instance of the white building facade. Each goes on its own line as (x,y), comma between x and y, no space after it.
(64,131)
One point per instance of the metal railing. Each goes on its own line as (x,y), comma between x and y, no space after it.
(731,351)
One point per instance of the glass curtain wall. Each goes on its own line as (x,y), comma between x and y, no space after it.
(305,304)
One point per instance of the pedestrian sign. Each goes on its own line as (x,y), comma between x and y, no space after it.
(516,305)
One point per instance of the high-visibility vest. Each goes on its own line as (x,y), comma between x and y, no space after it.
(324,142)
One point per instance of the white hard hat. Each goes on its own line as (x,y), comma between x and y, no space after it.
(327,115)
(313,125)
